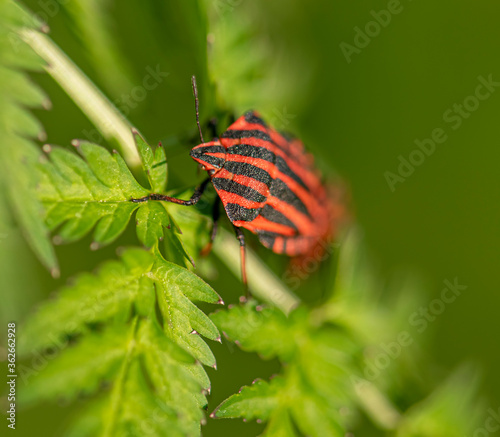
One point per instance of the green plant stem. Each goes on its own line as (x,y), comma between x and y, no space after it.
(262,281)
(100,111)
(377,406)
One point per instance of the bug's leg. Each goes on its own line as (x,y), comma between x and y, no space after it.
(192,201)
(215,216)
(241,238)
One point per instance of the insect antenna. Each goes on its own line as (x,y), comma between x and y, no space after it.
(196,105)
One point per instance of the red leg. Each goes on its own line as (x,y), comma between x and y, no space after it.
(241,239)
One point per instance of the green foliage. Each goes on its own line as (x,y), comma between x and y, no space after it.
(452,409)
(325,352)
(18,154)
(78,193)
(93,191)
(153,164)
(130,338)
(105,328)
(319,362)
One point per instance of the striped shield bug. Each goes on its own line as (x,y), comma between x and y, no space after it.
(267,184)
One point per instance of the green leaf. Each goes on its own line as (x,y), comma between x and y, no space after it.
(175,249)
(193,223)
(152,219)
(154,165)
(94,193)
(181,318)
(18,154)
(145,410)
(316,381)
(111,170)
(261,329)
(280,425)
(91,299)
(451,410)
(152,359)
(172,381)
(78,195)
(78,369)
(256,401)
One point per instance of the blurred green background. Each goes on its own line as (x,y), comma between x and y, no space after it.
(357,117)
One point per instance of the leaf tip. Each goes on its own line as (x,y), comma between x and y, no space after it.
(220,302)
(94,245)
(194,332)
(47,104)
(47,148)
(243,299)
(55,272)
(75,143)
(42,135)
(219,339)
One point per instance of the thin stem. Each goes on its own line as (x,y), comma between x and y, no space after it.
(377,406)
(92,102)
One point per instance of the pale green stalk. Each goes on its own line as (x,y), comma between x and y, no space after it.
(92,102)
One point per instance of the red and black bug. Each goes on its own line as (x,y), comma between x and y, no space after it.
(267,183)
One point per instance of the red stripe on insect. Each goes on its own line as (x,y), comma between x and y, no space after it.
(279,244)
(216,155)
(242,124)
(240,200)
(311,203)
(310,178)
(303,223)
(262,224)
(295,246)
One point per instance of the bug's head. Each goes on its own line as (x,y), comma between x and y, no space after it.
(211,156)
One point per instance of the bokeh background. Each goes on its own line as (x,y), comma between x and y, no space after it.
(357,113)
